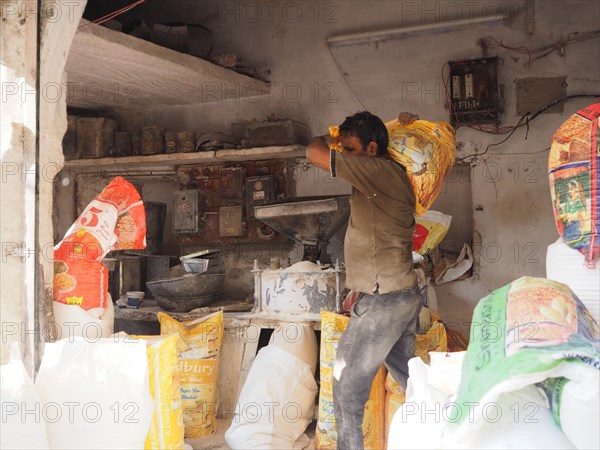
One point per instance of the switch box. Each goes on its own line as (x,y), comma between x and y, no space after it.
(474,97)
(259,191)
(230,221)
(232,182)
(186,211)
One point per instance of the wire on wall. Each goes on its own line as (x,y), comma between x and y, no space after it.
(524,121)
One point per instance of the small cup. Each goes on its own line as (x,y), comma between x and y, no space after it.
(135,299)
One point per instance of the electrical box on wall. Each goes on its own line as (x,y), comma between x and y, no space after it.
(259,191)
(474,97)
(186,211)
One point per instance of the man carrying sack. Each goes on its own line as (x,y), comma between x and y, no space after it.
(379,266)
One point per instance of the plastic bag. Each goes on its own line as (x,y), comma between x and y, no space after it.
(21,425)
(166,430)
(574,172)
(198,369)
(276,403)
(72,320)
(566,265)
(524,333)
(114,220)
(332,327)
(419,423)
(430,229)
(95,395)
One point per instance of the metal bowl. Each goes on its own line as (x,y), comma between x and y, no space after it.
(185,304)
(176,286)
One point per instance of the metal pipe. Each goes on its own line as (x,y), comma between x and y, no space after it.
(257,286)
(370,37)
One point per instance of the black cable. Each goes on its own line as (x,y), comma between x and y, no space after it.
(497,143)
(527,122)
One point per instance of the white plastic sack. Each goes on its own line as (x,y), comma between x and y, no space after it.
(95,395)
(74,321)
(516,420)
(580,413)
(276,403)
(21,425)
(297,339)
(567,266)
(418,423)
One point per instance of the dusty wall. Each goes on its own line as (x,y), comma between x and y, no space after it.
(27,175)
(503,195)
(17,190)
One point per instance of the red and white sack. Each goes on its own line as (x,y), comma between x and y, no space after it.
(114,220)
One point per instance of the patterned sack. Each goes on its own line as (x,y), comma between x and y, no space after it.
(573,169)
(114,220)
(426,149)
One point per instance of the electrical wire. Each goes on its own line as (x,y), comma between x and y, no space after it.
(113,14)
(496,143)
(116,13)
(525,120)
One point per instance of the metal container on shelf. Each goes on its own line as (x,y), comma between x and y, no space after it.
(156,214)
(95,136)
(136,143)
(129,273)
(122,144)
(186,141)
(153,140)
(170,142)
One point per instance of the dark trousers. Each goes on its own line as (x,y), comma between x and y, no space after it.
(381,330)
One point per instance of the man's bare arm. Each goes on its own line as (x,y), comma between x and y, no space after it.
(318,152)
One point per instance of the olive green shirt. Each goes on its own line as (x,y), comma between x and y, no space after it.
(378,243)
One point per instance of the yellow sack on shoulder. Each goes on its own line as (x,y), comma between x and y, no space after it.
(426,149)
(198,369)
(332,327)
(166,431)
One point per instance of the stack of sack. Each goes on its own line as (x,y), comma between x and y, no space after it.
(530,377)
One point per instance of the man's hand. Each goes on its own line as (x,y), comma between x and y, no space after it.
(406,118)
(318,153)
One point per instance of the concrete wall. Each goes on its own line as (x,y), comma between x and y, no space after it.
(513,222)
(31,155)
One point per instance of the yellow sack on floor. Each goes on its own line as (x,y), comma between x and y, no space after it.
(332,327)
(166,430)
(435,340)
(395,396)
(198,369)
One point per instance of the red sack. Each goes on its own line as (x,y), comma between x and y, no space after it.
(114,220)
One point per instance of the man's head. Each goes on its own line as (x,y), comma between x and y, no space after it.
(364,134)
